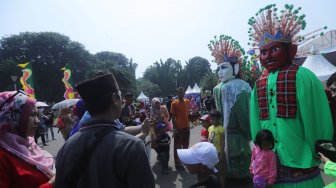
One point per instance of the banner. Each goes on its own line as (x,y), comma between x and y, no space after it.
(27,79)
(69,92)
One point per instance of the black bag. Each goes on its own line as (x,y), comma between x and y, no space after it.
(327,148)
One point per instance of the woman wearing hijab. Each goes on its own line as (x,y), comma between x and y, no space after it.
(194,112)
(22,162)
(158,115)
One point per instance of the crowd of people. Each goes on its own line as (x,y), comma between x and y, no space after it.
(154,123)
(268,133)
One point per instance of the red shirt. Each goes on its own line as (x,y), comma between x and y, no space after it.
(204,135)
(15,172)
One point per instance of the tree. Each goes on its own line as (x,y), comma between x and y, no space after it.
(163,74)
(48,52)
(121,76)
(119,63)
(151,89)
(209,81)
(8,68)
(194,70)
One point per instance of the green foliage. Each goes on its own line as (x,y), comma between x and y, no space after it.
(48,52)
(118,64)
(122,77)
(169,74)
(119,61)
(149,88)
(194,70)
(163,74)
(8,68)
(250,71)
(208,81)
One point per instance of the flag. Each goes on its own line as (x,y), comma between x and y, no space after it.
(27,79)
(69,92)
(23,65)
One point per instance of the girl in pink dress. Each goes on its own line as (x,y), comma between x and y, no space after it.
(263,162)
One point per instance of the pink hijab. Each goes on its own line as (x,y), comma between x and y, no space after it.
(14,116)
(193,106)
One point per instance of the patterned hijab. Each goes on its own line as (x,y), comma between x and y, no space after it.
(15,110)
(156,112)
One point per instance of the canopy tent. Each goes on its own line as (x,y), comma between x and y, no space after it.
(189,90)
(328,50)
(319,65)
(196,89)
(142,97)
(193,92)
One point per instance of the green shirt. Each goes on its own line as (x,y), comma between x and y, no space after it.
(296,137)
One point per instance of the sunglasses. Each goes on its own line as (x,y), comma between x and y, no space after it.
(11,97)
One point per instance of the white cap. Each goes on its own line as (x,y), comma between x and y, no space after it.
(203,153)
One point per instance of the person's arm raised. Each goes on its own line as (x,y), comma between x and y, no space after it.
(139,131)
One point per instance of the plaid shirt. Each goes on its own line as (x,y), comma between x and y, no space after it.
(286,93)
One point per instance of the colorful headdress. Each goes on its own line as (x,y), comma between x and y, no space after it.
(226,49)
(267,26)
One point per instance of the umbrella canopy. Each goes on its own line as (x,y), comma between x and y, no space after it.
(40,104)
(64,104)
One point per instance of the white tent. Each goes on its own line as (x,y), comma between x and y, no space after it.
(196,89)
(189,90)
(328,50)
(319,65)
(143,97)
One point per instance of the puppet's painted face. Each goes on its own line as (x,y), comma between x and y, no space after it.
(275,55)
(225,71)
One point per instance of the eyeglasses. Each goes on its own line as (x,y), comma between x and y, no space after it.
(11,97)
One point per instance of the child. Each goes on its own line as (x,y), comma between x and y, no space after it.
(216,137)
(206,124)
(263,161)
(201,159)
(161,146)
(194,112)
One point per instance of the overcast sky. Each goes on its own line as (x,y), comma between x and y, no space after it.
(149,30)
